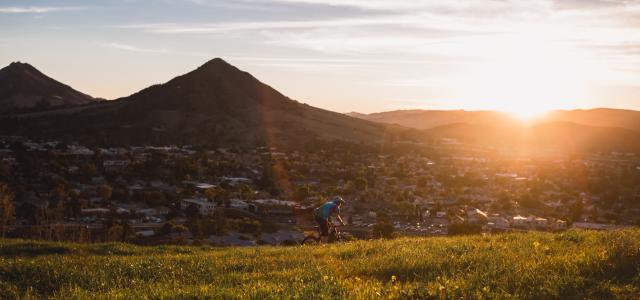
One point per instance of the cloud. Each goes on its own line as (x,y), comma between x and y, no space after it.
(38,9)
(235,5)
(457,37)
(591,4)
(131,48)
(173,28)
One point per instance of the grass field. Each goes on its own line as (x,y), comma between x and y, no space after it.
(569,265)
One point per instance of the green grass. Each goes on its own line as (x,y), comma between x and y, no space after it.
(570,265)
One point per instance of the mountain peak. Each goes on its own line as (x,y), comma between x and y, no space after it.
(24,88)
(217,61)
(217,64)
(19,67)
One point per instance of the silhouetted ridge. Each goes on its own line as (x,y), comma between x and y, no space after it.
(216,103)
(25,88)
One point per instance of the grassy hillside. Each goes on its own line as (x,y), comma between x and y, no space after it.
(570,265)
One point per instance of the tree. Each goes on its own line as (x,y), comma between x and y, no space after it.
(127,231)
(155,198)
(383,226)
(249,226)
(192,212)
(106,192)
(464,229)
(220,222)
(246,192)
(210,193)
(5,170)
(115,233)
(88,170)
(302,192)
(7,209)
(422,182)
(166,228)
(361,184)
(576,210)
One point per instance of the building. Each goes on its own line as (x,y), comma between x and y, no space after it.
(593,226)
(115,165)
(560,225)
(540,223)
(476,216)
(520,221)
(498,222)
(205,207)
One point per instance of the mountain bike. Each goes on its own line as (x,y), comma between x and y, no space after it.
(335,235)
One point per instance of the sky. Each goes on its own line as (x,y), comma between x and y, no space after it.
(368,56)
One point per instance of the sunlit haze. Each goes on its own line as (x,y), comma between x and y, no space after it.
(521,57)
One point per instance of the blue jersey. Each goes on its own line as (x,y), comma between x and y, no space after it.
(326,210)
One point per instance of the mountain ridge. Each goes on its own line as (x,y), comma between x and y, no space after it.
(215,103)
(219,104)
(25,88)
(427,119)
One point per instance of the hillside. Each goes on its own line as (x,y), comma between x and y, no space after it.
(24,88)
(214,104)
(604,117)
(576,130)
(556,135)
(569,265)
(427,119)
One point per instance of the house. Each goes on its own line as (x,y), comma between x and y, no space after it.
(276,207)
(145,233)
(233,181)
(498,222)
(200,185)
(94,211)
(559,225)
(593,226)
(540,223)
(115,165)
(242,205)
(476,216)
(98,180)
(520,221)
(205,207)
(135,188)
(152,212)
(204,186)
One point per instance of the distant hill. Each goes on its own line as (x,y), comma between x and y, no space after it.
(553,135)
(426,119)
(24,88)
(576,130)
(606,117)
(216,103)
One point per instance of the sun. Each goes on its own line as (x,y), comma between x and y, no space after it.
(526,113)
(525,75)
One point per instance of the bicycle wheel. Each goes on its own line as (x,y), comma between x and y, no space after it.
(310,240)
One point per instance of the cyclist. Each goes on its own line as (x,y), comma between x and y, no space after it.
(324,212)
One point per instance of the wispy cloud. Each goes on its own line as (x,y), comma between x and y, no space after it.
(236,5)
(132,48)
(38,9)
(173,28)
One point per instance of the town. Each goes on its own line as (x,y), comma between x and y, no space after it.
(265,195)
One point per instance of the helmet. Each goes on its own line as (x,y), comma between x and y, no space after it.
(338,200)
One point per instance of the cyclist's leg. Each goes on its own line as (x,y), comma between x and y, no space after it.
(323,225)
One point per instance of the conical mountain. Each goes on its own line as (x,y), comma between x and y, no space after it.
(214,104)
(23,88)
